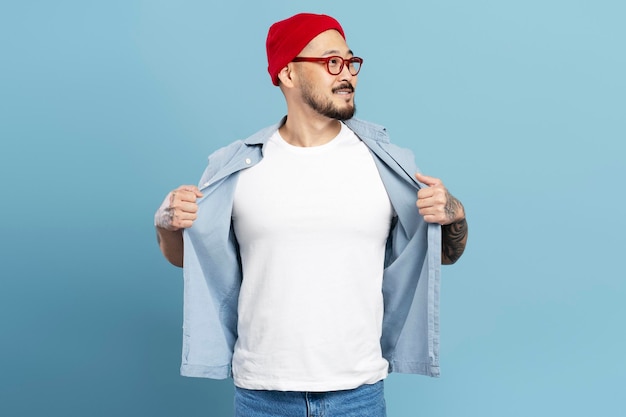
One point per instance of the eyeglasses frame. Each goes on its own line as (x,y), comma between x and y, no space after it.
(326,60)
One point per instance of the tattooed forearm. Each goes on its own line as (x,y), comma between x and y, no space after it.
(452,207)
(164,217)
(454,234)
(453,240)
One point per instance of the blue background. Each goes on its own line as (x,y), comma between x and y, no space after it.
(519,106)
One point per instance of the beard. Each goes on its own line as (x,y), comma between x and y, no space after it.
(325,106)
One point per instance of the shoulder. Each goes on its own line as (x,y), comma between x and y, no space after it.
(396,158)
(368,130)
(220,159)
(224,154)
(376,137)
(237,155)
(228,152)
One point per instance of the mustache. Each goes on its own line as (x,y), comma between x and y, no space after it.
(346,86)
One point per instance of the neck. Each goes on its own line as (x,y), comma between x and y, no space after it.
(309,130)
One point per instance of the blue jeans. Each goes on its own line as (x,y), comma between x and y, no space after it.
(364,401)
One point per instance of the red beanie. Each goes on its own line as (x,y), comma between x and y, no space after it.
(287,38)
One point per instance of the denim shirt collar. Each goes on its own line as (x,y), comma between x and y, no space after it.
(362,129)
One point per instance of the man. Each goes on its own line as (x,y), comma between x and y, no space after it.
(312,267)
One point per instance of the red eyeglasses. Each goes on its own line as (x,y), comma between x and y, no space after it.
(334,64)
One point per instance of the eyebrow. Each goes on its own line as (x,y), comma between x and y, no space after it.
(335,51)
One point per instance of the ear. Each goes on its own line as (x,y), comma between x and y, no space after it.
(286,76)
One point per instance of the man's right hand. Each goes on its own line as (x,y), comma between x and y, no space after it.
(179,209)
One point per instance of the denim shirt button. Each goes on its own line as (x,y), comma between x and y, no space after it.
(248,161)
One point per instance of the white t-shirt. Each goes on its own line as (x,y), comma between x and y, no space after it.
(312,224)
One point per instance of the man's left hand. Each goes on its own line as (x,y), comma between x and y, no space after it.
(436,204)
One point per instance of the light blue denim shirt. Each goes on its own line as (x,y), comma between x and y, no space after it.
(212,267)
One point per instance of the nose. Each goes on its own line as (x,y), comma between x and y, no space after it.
(345,72)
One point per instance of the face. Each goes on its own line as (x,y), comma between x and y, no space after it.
(329,95)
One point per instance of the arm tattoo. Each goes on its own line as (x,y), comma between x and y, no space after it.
(451,207)
(454,235)
(164,216)
(453,239)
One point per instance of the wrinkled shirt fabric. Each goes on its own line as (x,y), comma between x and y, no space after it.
(212,267)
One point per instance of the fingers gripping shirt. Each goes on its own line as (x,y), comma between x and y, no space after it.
(312,224)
